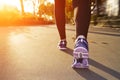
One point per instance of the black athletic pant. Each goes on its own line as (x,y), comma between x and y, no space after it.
(81,16)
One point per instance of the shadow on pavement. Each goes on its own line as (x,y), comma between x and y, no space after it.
(110,34)
(99,32)
(88,74)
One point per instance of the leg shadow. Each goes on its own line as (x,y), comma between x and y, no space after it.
(89,74)
(104,68)
(68,51)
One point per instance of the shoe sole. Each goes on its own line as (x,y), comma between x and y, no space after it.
(78,53)
(61,48)
(80,67)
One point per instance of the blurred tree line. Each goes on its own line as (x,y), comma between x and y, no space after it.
(45,13)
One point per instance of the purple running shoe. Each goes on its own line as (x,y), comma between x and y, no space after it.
(62,45)
(80,53)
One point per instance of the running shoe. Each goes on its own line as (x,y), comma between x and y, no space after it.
(80,53)
(62,45)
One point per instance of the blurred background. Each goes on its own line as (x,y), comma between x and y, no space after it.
(35,12)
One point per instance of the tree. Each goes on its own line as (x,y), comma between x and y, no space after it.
(47,9)
(69,11)
(119,8)
(22,6)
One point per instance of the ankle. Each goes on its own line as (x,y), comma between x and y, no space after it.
(63,39)
(81,36)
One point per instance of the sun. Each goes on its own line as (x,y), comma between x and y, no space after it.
(14,3)
(28,4)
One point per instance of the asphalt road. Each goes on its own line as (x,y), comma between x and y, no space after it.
(31,53)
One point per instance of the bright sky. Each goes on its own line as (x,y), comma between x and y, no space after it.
(15,3)
(9,2)
(52,1)
(28,5)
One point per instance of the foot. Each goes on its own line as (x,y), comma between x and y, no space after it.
(80,53)
(82,63)
(62,45)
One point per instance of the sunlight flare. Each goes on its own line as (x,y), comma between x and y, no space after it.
(16,39)
(14,3)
